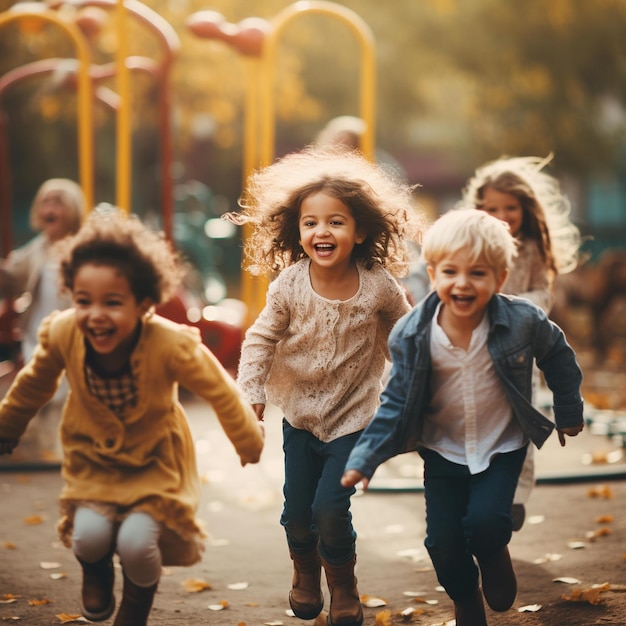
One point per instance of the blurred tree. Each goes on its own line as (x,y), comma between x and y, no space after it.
(466,79)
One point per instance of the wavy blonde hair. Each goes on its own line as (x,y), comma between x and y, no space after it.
(546,209)
(381,204)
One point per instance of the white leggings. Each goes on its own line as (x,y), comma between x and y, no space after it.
(137,543)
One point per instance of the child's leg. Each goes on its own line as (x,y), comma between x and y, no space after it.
(92,543)
(446,492)
(333,520)
(138,549)
(303,467)
(488,526)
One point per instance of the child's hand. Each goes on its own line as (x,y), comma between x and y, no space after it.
(259,409)
(7,445)
(352,477)
(570,431)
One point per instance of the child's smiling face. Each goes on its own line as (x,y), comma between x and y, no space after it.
(328,231)
(465,285)
(107,311)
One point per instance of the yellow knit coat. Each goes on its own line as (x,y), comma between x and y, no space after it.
(146,461)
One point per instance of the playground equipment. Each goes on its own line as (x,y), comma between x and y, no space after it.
(257,41)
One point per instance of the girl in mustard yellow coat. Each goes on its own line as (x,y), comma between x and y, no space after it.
(129,466)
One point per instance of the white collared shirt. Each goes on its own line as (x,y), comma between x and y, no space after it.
(470,419)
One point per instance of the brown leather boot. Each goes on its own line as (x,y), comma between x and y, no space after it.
(306,598)
(136,604)
(345,604)
(97,601)
(471,612)
(499,582)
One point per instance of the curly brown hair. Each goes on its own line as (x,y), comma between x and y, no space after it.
(145,257)
(381,204)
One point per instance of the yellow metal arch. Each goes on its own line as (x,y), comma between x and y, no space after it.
(367,90)
(85,106)
(254,288)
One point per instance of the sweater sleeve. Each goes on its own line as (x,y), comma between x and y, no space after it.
(259,345)
(198,370)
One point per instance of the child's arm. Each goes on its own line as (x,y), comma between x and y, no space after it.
(557,360)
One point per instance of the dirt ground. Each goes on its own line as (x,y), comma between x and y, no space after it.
(575,531)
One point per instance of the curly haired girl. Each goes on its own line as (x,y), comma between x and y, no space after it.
(334,227)
(131,482)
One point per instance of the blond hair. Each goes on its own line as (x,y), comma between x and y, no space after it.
(71,196)
(475,231)
(380,203)
(546,209)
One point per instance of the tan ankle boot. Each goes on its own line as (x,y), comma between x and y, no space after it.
(136,604)
(471,612)
(498,580)
(306,598)
(345,604)
(97,599)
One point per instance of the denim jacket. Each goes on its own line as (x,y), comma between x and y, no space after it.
(519,334)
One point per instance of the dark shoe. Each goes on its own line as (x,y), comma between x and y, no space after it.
(499,582)
(136,604)
(306,598)
(518,513)
(97,601)
(345,604)
(471,612)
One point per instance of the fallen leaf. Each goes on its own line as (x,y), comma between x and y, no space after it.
(49,565)
(219,607)
(39,602)
(529,608)
(372,602)
(195,585)
(11,618)
(576,545)
(58,575)
(238,586)
(548,558)
(9,545)
(66,618)
(33,520)
(274,623)
(383,618)
(9,597)
(604,519)
(590,595)
(536,519)
(601,491)
(567,580)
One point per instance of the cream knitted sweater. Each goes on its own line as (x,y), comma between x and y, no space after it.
(321,361)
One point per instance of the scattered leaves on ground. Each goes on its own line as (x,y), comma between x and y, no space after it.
(529,608)
(39,601)
(33,520)
(591,595)
(600,491)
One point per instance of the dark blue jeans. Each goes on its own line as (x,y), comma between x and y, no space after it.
(316,511)
(467,516)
